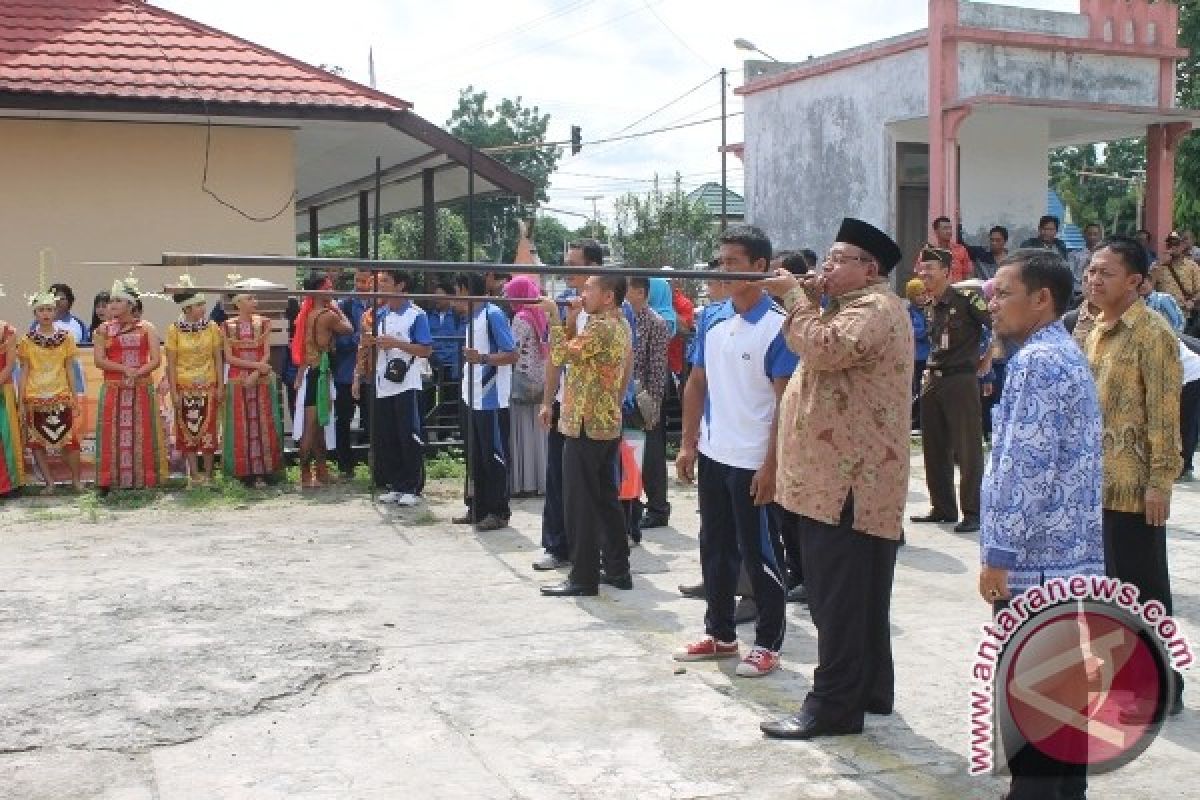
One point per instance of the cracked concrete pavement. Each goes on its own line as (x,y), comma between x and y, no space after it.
(331,649)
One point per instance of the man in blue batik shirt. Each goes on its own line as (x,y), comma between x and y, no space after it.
(1041,495)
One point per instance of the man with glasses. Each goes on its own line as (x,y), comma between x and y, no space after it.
(951,416)
(843,468)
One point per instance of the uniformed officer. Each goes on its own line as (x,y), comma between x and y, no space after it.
(951,421)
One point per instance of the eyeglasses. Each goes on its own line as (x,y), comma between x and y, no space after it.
(838,257)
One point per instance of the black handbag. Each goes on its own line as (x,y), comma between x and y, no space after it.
(396,370)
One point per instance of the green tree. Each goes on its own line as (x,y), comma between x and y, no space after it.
(1109,201)
(1187,94)
(663,228)
(507,122)
(592,230)
(550,236)
(405,237)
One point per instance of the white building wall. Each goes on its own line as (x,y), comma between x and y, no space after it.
(1003,173)
(819,150)
(1041,75)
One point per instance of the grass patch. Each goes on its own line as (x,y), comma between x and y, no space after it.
(49,514)
(89,507)
(446,464)
(130,499)
(424,519)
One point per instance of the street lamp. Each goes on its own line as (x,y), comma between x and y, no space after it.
(745,44)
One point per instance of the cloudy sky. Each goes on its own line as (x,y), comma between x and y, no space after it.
(606,65)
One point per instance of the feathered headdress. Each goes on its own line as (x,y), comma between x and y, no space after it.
(186,298)
(43,296)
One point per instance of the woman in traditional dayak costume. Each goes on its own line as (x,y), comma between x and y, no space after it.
(12,467)
(319,321)
(130,450)
(50,392)
(253,411)
(194,371)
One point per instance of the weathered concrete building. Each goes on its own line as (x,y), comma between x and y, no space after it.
(958,119)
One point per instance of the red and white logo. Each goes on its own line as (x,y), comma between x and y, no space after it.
(1084,684)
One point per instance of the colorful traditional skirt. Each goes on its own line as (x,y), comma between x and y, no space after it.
(253,429)
(12,456)
(196,419)
(130,451)
(50,423)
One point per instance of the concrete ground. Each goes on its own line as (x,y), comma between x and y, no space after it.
(330,649)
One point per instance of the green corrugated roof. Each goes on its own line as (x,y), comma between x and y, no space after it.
(710,195)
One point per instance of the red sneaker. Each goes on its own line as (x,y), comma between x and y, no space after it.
(758,662)
(707,649)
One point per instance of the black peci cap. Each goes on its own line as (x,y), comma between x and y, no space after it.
(874,241)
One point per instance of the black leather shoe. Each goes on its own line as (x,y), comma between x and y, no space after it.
(805,726)
(618,581)
(465,519)
(968,525)
(653,521)
(568,589)
(932,517)
(695,591)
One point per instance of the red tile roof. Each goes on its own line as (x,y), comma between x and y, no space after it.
(130,50)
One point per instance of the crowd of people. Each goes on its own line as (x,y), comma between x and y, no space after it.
(800,390)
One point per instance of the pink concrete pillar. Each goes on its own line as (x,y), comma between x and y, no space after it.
(943,90)
(1162,141)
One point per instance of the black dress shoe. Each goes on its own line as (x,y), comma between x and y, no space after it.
(653,521)
(568,589)
(695,591)
(806,726)
(932,516)
(618,581)
(968,525)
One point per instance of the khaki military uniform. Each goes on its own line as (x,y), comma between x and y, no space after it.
(951,414)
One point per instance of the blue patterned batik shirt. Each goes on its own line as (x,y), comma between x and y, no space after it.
(1041,500)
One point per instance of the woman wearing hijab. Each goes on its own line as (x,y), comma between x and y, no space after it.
(527,475)
(650,358)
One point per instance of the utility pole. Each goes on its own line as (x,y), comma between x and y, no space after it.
(724,155)
(595,198)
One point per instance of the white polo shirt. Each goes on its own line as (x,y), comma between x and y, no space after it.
(492,385)
(742,355)
(408,324)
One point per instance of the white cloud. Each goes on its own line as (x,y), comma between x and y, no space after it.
(600,64)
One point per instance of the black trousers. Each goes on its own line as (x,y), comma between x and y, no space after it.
(1037,776)
(400,443)
(343,412)
(849,579)
(654,471)
(554,526)
(952,432)
(1189,421)
(737,533)
(918,373)
(787,526)
(595,523)
(487,462)
(1136,553)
